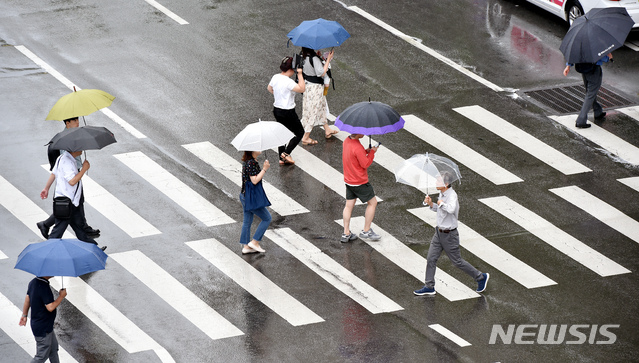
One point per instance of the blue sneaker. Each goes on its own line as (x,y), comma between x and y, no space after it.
(481,285)
(424,291)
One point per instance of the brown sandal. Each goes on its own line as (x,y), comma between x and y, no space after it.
(286,159)
(312,142)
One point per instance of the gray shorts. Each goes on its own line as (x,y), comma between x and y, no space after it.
(364,192)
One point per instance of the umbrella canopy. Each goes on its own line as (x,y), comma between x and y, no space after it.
(369,118)
(318,34)
(262,135)
(82,138)
(426,172)
(597,33)
(61,257)
(79,103)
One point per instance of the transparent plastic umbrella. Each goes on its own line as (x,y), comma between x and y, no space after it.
(427,171)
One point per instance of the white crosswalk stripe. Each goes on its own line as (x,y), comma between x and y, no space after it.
(491,253)
(601,210)
(117,326)
(232,169)
(177,295)
(631,111)
(459,152)
(411,262)
(450,335)
(255,282)
(607,140)
(22,335)
(555,237)
(175,189)
(23,208)
(522,139)
(331,271)
(113,209)
(632,182)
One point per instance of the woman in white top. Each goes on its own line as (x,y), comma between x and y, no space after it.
(314,102)
(284,89)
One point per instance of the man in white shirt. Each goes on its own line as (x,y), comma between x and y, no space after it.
(284,89)
(446,238)
(69,184)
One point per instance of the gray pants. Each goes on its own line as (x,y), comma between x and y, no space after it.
(592,82)
(47,348)
(448,242)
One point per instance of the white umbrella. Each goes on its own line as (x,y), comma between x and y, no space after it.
(427,171)
(262,135)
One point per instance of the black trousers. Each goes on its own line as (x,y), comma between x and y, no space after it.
(76,221)
(291,121)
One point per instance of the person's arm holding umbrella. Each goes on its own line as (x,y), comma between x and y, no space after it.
(256,178)
(85,166)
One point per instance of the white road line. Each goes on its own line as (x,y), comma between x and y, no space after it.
(450,335)
(424,48)
(22,335)
(614,144)
(232,169)
(104,315)
(3,256)
(167,12)
(411,262)
(254,282)
(555,237)
(632,182)
(522,139)
(64,80)
(601,210)
(23,208)
(175,189)
(491,253)
(632,46)
(631,111)
(177,295)
(331,271)
(114,210)
(458,151)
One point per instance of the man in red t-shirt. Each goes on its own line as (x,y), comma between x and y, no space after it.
(356,161)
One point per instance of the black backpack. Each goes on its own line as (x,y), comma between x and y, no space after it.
(584,67)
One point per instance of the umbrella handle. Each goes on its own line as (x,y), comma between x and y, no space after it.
(369,142)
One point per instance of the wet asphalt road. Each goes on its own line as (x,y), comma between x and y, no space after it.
(182,84)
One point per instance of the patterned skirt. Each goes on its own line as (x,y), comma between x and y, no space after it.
(314,106)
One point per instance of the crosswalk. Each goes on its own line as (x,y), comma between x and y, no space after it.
(162,286)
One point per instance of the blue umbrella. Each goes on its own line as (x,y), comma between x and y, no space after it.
(318,34)
(61,257)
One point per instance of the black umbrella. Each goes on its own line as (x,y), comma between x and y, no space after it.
(82,138)
(596,34)
(369,118)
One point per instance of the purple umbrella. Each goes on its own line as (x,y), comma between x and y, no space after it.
(369,118)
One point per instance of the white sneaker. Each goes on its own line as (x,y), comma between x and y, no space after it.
(256,247)
(370,235)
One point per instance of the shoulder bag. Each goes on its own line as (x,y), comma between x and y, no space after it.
(254,196)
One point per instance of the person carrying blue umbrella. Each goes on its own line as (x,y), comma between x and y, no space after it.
(43,307)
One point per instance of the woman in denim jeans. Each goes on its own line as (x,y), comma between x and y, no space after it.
(251,173)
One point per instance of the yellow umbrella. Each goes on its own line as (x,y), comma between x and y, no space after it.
(79,103)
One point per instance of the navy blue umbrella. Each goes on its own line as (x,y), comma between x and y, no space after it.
(369,118)
(61,257)
(594,35)
(318,34)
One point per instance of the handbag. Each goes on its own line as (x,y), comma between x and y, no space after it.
(255,197)
(62,205)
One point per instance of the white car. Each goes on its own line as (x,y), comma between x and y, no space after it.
(572,9)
